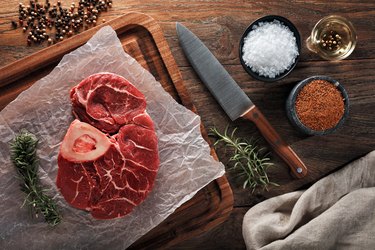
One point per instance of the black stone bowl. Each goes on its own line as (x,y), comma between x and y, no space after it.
(292,28)
(292,114)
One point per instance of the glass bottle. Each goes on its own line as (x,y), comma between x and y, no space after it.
(332,38)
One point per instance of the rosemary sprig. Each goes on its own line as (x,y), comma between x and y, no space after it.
(24,158)
(249,160)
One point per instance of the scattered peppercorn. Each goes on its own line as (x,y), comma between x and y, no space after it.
(14,25)
(66,21)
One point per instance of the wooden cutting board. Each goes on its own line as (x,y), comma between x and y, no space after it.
(143,39)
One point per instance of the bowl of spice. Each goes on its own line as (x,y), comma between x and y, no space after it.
(318,105)
(270,48)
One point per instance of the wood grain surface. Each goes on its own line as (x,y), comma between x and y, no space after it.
(220,24)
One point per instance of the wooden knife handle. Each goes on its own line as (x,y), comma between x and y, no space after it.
(298,168)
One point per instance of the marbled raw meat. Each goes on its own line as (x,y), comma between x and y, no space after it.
(105,174)
(107,101)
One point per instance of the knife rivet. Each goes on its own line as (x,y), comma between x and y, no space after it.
(255,115)
(299,170)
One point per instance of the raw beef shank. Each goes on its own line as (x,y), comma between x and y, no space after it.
(107,101)
(108,175)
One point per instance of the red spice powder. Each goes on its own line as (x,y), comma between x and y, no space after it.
(319,105)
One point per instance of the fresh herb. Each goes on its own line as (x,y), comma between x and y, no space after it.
(24,158)
(249,160)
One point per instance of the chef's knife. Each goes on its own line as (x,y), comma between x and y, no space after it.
(231,97)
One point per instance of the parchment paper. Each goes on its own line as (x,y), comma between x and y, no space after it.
(45,110)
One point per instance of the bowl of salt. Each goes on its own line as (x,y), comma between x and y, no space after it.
(270,48)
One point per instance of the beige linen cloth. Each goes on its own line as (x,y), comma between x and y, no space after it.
(337,212)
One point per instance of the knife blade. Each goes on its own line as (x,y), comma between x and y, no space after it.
(231,97)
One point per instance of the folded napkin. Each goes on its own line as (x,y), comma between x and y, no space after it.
(337,212)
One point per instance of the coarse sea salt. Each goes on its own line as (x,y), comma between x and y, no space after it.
(270,49)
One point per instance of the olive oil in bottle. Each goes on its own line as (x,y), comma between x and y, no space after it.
(333,38)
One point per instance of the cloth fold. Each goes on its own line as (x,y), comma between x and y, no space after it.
(337,212)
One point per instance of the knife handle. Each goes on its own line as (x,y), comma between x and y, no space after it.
(297,167)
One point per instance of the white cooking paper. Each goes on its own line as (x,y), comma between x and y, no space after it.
(45,110)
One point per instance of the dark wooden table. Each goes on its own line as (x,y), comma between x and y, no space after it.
(220,24)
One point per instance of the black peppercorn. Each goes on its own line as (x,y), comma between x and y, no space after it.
(67,21)
(14,25)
